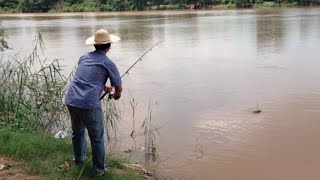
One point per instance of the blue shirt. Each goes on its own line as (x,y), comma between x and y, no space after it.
(94,69)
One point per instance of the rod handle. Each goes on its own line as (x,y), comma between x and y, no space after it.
(103,95)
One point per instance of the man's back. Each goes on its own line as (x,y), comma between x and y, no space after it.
(93,71)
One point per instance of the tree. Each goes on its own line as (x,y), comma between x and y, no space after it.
(36,5)
(140,4)
(9,3)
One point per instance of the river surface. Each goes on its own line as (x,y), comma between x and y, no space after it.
(203,82)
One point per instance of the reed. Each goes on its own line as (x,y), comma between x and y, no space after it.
(3,42)
(31,90)
(112,117)
(133,104)
(149,132)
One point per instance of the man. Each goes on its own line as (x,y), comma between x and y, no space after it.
(82,99)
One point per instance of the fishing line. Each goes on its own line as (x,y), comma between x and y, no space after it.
(127,71)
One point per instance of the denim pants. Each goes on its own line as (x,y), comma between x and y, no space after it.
(92,119)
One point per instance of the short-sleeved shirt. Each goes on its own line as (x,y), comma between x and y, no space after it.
(94,69)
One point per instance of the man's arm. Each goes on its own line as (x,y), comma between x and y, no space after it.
(115,79)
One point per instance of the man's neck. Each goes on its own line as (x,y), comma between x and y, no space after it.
(103,51)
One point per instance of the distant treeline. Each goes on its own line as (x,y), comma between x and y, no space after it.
(130,5)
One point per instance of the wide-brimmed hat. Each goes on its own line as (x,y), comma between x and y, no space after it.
(102,36)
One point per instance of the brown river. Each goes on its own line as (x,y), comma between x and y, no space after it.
(203,82)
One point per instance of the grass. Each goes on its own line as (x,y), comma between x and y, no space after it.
(230,6)
(112,117)
(271,4)
(133,105)
(44,154)
(149,132)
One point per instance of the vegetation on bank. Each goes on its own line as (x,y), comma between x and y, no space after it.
(3,42)
(31,107)
(32,89)
(51,158)
(131,5)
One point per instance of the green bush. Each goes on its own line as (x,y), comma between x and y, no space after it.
(292,4)
(315,2)
(168,7)
(78,8)
(267,4)
(259,2)
(230,6)
(105,7)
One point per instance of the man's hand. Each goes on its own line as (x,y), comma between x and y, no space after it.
(113,95)
(116,96)
(117,93)
(108,89)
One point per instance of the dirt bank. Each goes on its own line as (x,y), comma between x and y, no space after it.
(14,170)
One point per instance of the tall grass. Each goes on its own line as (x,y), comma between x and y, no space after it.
(149,132)
(112,117)
(3,42)
(133,104)
(32,90)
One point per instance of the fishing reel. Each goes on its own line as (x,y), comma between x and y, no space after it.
(110,96)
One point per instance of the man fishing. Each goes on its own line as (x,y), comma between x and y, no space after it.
(82,99)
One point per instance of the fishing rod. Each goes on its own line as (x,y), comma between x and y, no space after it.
(127,71)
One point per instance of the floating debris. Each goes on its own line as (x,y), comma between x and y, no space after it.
(257,111)
(2,167)
(65,167)
(127,151)
(138,167)
(198,150)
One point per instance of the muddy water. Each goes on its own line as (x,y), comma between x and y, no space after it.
(204,80)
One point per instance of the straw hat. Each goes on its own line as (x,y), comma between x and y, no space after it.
(102,36)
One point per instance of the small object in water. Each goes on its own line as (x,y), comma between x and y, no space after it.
(153,151)
(61,134)
(133,134)
(128,151)
(257,111)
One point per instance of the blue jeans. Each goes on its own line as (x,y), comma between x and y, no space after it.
(92,119)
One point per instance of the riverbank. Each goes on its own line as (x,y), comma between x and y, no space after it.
(12,169)
(51,158)
(78,8)
(137,13)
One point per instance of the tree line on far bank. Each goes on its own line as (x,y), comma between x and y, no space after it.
(30,6)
